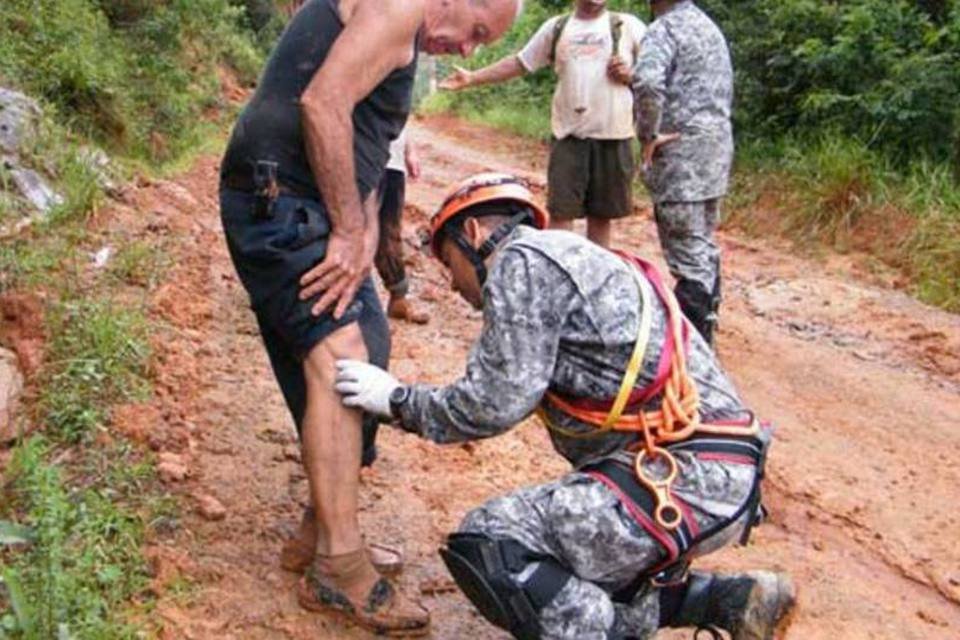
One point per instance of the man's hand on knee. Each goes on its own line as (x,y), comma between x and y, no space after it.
(365,386)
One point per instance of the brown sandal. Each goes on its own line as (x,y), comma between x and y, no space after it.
(299,551)
(384,611)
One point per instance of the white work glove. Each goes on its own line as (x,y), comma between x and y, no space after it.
(365,386)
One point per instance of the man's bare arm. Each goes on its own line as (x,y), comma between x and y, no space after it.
(377,39)
(506,68)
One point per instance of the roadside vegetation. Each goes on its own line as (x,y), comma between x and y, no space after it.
(846,117)
(141,80)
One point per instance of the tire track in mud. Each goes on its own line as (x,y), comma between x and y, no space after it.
(849,460)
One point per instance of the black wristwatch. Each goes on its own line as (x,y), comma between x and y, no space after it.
(397,399)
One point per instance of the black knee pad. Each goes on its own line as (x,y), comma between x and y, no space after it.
(482,568)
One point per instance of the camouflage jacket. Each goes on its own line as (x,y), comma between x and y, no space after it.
(683,83)
(559,313)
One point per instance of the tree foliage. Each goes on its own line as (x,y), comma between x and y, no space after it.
(885,72)
(136,75)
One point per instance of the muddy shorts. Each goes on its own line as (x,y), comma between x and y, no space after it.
(591,178)
(270,253)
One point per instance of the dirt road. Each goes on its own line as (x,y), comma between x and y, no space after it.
(861,381)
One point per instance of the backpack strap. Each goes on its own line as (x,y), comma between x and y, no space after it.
(616,30)
(557,30)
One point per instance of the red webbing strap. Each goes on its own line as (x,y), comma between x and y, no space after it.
(639,397)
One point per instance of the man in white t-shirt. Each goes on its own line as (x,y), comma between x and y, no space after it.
(591,161)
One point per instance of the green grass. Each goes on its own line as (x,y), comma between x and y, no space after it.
(141,80)
(140,263)
(85,564)
(87,505)
(98,355)
(28,262)
(135,76)
(839,193)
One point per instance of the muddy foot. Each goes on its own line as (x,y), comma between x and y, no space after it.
(300,550)
(384,611)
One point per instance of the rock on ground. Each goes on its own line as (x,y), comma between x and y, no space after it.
(11,386)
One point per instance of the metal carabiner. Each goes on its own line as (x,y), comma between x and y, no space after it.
(666,513)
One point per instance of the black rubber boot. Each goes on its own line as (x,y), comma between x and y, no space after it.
(698,305)
(751,606)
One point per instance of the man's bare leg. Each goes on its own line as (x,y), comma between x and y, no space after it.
(332,446)
(599,230)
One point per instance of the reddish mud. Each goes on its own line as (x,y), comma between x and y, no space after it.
(861,381)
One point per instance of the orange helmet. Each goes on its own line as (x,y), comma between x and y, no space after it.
(479,188)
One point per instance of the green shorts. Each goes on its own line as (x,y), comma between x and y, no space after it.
(590,178)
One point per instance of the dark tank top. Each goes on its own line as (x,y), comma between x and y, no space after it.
(269,128)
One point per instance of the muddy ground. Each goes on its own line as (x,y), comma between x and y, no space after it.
(861,381)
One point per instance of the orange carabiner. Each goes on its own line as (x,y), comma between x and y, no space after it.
(666,512)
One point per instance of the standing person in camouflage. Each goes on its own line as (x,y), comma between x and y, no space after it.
(683,87)
(603,552)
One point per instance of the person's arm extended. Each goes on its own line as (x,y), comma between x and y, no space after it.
(534,55)
(506,68)
(377,39)
(510,366)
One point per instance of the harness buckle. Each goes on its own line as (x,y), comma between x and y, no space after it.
(666,512)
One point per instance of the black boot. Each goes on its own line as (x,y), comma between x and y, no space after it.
(752,606)
(698,305)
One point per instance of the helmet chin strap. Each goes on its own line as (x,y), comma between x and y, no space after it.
(477,256)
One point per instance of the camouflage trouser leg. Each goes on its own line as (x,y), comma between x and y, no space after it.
(581,523)
(686,231)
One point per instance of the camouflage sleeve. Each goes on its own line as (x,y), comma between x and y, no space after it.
(510,366)
(650,80)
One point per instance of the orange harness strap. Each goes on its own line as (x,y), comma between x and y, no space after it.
(677,418)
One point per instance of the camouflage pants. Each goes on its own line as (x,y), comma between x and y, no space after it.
(582,523)
(686,231)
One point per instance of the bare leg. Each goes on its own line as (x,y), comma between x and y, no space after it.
(343,578)
(331,451)
(598,230)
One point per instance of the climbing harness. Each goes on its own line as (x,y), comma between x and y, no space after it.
(675,421)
